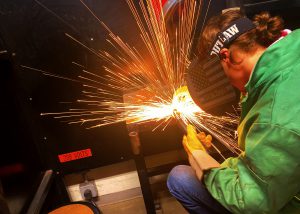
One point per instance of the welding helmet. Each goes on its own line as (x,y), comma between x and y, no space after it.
(207,83)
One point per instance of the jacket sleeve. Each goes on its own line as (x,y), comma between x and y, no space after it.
(262,179)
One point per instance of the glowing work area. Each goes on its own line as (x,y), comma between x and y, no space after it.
(149,106)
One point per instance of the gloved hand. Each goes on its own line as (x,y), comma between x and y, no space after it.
(193,141)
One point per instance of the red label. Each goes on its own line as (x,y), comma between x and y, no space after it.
(75,155)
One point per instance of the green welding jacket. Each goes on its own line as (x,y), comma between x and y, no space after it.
(265,178)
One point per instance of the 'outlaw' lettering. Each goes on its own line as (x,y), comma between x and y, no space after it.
(224,37)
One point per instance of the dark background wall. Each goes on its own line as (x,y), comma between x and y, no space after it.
(35,36)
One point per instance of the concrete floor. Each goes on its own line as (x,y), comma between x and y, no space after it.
(168,205)
(131,201)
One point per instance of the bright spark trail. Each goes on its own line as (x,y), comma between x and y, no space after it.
(164,95)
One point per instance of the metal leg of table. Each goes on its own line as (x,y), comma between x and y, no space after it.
(142,172)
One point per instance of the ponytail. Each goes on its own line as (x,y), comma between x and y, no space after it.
(268,29)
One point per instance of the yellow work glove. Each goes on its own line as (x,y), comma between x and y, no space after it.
(193,141)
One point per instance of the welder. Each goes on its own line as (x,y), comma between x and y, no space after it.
(262,60)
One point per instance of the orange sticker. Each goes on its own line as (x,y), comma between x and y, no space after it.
(75,155)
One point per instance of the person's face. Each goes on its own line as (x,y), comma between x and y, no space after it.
(236,68)
(235,74)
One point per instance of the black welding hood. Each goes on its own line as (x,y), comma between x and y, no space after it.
(207,83)
(210,88)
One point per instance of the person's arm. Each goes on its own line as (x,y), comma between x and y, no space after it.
(204,160)
(199,159)
(195,166)
(264,178)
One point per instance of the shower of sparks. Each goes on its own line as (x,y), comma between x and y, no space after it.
(159,82)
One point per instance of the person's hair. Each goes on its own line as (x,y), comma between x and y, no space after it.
(268,30)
